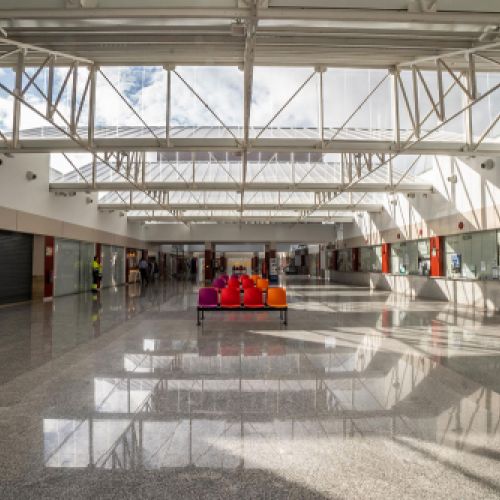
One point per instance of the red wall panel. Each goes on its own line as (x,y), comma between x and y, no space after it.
(48,288)
(437,256)
(386,258)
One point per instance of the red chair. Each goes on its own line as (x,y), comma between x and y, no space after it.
(252,297)
(244,277)
(233,282)
(230,297)
(247,283)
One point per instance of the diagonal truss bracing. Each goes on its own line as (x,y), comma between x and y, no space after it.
(418,95)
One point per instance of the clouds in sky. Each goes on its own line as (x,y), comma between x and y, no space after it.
(220,87)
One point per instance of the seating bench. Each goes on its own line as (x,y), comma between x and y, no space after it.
(202,309)
(230,300)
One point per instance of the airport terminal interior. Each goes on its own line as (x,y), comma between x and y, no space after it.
(249,249)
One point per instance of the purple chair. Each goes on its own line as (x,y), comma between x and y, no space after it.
(208,297)
(219,283)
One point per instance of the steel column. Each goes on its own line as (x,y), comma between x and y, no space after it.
(18,86)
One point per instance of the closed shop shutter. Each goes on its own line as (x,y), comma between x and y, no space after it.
(15,267)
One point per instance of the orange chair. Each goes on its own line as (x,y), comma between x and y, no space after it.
(254,278)
(263,284)
(276,297)
(247,283)
(252,297)
(230,297)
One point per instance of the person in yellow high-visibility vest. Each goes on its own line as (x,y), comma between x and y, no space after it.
(96,274)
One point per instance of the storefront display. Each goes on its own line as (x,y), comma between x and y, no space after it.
(473,255)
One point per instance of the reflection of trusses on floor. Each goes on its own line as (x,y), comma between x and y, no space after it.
(163,391)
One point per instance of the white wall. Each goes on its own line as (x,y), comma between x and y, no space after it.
(474,199)
(240,248)
(17,194)
(483,295)
(234,233)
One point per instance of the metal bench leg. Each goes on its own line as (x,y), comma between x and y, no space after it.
(198,323)
(202,314)
(286,317)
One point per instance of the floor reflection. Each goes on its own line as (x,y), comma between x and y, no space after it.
(220,400)
(39,332)
(377,387)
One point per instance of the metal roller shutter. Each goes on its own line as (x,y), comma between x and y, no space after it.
(15,266)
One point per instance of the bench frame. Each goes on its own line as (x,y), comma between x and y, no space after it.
(200,312)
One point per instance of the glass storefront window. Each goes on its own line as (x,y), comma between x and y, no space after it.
(73,266)
(330,254)
(473,255)
(344,260)
(424,257)
(400,259)
(370,259)
(411,257)
(113,266)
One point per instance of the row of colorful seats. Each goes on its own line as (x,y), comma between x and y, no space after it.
(244,282)
(230,297)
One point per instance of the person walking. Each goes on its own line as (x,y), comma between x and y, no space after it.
(96,274)
(143,269)
(156,271)
(150,271)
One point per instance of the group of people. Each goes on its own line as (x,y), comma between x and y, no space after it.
(148,268)
(149,271)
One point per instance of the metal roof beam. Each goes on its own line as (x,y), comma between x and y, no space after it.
(337,207)
(360,187)
(238,218)
(248,63)
(272,13)
(274,145)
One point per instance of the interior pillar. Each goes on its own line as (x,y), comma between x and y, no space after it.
(271,269)
(209,261)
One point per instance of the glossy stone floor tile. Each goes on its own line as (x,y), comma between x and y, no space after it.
(362,395)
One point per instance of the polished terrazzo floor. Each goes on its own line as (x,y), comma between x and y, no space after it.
(362,395)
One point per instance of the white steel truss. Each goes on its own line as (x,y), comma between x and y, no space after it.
(307,32)
(420,111)
(76,127)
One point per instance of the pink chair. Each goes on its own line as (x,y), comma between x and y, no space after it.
(208,297)
(219,283)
